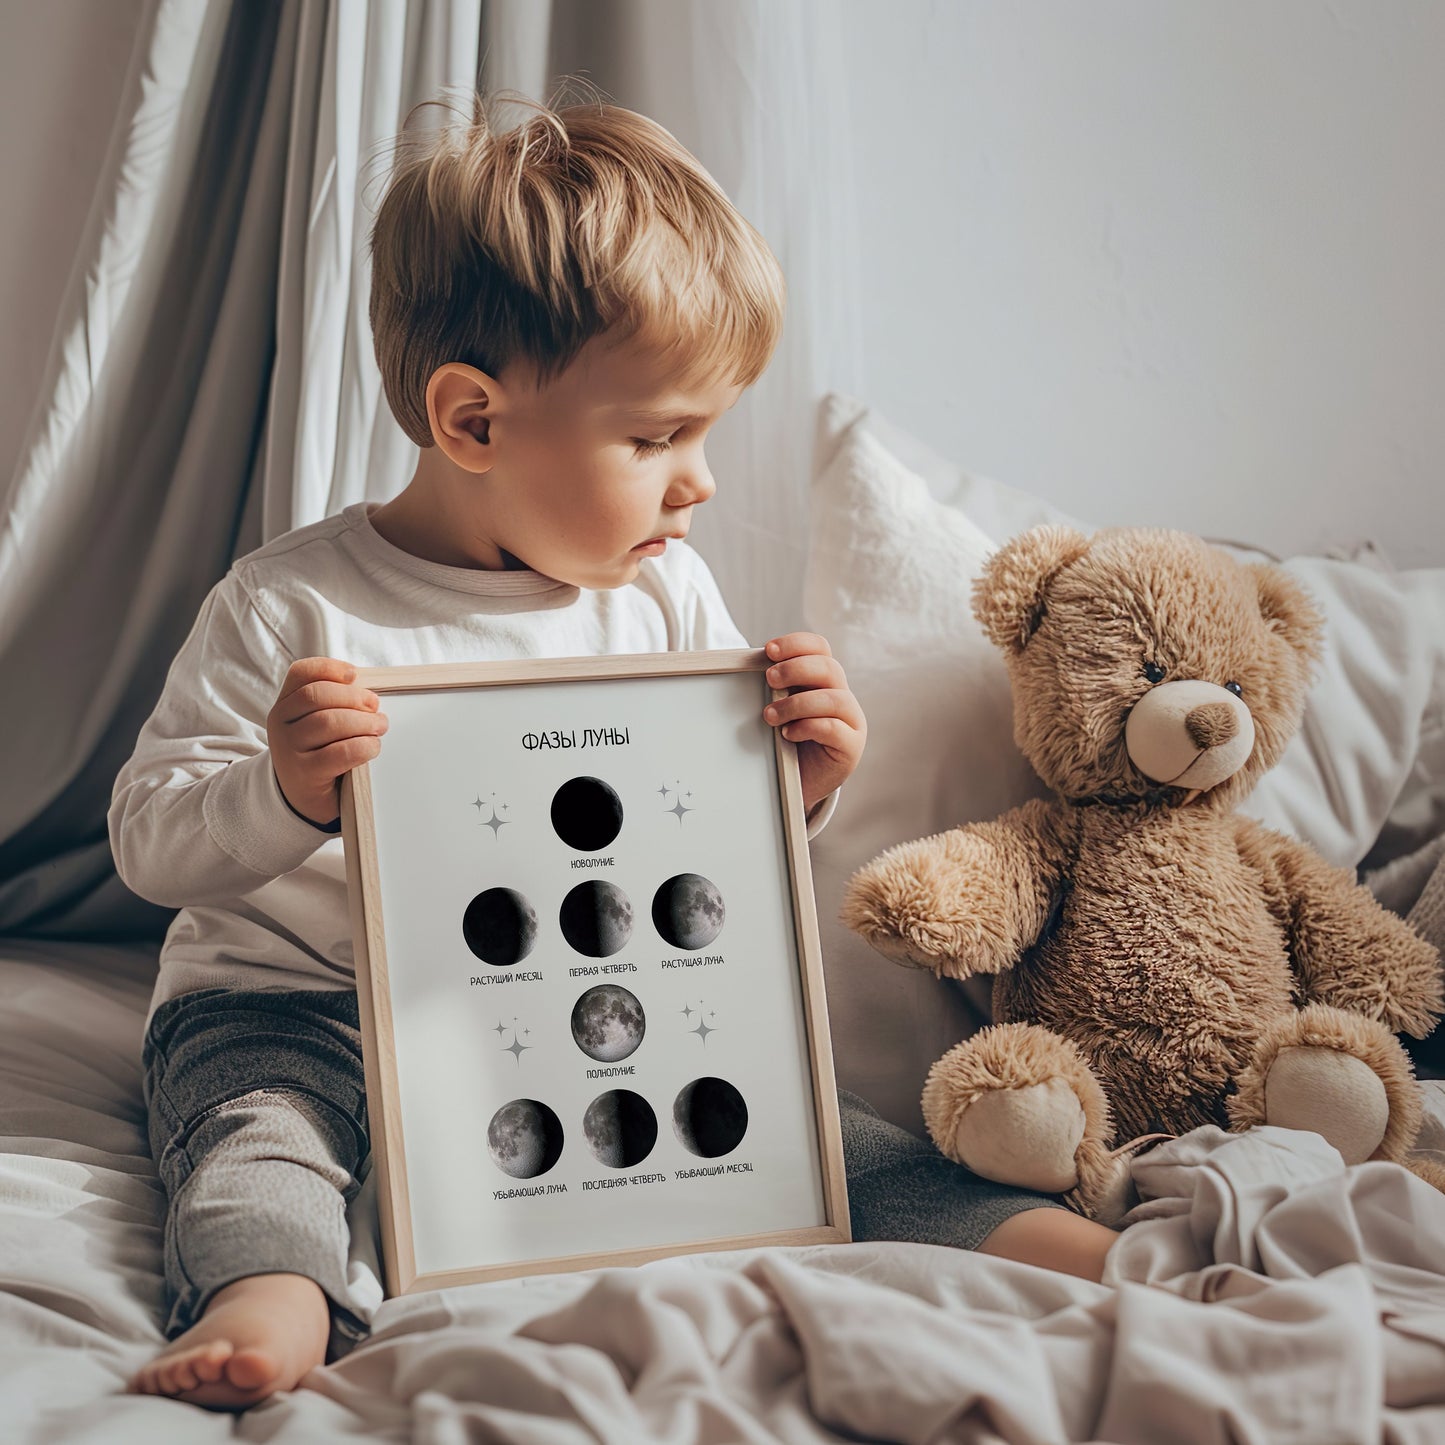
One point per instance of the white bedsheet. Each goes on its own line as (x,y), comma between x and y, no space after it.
(1268,1294)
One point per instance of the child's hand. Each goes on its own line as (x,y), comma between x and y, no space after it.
(320,728)
(821,715)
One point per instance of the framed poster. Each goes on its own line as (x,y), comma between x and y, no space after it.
(588,969)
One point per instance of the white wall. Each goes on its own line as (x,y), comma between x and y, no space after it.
(62,65)
(1173,261)
(1165,262)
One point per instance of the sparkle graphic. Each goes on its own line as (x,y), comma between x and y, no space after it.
(516,1048)
(679,807)
(703,1028)
(686,1010)
(664,790)
(496,822)
(501,1029)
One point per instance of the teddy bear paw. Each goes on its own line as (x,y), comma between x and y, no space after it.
(1331,1093)
(1027,1137)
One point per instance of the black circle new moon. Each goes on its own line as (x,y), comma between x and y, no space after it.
(500,926)
(709,1117)
(586,814)
(524,1138)
(620,1128)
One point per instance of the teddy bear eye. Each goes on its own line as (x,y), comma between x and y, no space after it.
(1235,688)
(1153,672)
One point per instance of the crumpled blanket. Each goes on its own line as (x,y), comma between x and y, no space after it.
(1264,1293)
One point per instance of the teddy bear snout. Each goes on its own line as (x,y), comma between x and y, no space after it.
(1211,724)
(1189,734)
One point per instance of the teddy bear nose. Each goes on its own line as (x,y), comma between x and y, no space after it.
(1211,724)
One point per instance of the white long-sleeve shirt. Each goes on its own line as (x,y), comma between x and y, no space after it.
(197,819)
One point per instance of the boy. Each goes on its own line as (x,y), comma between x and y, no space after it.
(560,314)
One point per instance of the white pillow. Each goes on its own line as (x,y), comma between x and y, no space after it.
(898,535)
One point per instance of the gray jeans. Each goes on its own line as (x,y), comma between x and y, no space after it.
(257,1106)
(901,1187)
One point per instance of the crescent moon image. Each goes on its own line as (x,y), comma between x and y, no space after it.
(524,1138)
(586,814)
(688,911)
(608,1023)
(596,918)
(709,1117)
(620,1128)
(500,926)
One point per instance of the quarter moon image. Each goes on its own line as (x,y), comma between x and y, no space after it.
(608,1023)
(586,814)
(620,1128)
(709,1117)
(688,911)
(524,1138)
(500,926)
(596,918)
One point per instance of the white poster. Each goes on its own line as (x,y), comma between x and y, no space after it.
(600,1039)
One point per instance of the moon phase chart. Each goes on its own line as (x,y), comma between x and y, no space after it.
(500,926)
(709,1117)
(620,1128)
(586,814)
(596,918)
(688,911)
(525,1137)
(608,1023)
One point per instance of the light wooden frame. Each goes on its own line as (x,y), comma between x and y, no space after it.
(374,993)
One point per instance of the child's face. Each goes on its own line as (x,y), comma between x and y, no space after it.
(601,466)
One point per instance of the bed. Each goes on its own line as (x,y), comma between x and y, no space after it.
(1264,1292)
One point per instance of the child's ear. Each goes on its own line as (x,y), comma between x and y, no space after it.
(1008,596)
(461,406)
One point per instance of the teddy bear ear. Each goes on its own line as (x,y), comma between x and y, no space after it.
(1008,595)
(1288,609)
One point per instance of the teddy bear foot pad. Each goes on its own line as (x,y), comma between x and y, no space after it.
(1027,1137)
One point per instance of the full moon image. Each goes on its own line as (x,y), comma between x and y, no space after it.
(500,926)
(587,814)
(620,1128)
(608,1023)
(688,911)
(524,1138)
(596,918)
(709,1117)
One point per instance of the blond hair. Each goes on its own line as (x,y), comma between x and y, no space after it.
(493,246)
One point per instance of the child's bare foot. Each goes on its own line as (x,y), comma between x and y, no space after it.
(258,1336)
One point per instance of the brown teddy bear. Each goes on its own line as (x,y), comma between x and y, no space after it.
(1160,961)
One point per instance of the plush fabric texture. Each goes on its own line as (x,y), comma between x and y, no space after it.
(1016,1059)
(899,534)
(1147,928)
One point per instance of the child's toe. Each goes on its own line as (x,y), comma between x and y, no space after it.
(172,1376)
(210,1363)
(251,1369)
